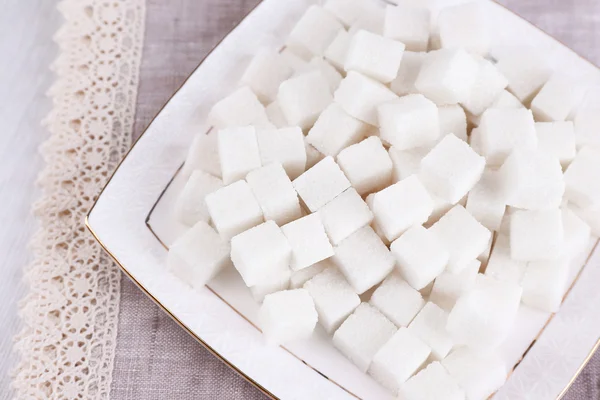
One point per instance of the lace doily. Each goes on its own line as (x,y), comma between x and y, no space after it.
(70,313)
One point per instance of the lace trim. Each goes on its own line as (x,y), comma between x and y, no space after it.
(70,314)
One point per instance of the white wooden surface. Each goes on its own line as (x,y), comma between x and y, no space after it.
(26,51)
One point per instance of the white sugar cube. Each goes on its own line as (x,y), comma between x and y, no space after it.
(409,122)
(557,99)
(190,207)
(204,155)
(372,19)
(241,108)
(276,115)
(238,153)
(234,209)
(398,359)
(337,50)
(287,316)
(406,163)
(464,237)
(534,180)
(480,375)
(526,72)
(198,255)
(501,265)
(582,179)
(482,317)
(430,326)
(544,284)
(576,233)
(344,215)
(349,11)
(448,287)
(360,249)
(335,130)
(587,121)
(308,240)
(360,96)
(367,165)
(265,73)
(313,156)
(329,72)
(313,33)
(504,130)
(261,254)
(558,140)
(410,66)
(397,300)
(303,98)
(275,193)
(447,75)
(408,25)
(299,278)
(362,335)
(452,119)
(489,84)
(506,100)
(321,184)
(487,200)
(451,169)
(400,206)
(295,61)
(465,26)
(334,298)
(285,146)
(431,383)
(536,235)
(275,284)
(420,256)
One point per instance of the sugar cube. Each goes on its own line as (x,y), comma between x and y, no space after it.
(487,200)
(501,266)
(544,284)
(372,19)
(337,50)
(198,255)
(408,25)
(344,215)
(536,235)
(308,240)
(349,11)
(287,316)
(526,72)
(489,84)
(313,156)
(238,153)
(447,75)
(285,146)
(409,122)
(329,72)
(452,119)
(276,283)
(363,334)
(448,287)
(363,259)
(397,300)
(261,254)
(464,237)
(335,130)
(503,130)
(587,121)
(190,207)
(400,206)
(431,383)
(506,100)
(313,33)
(241,108)
(582,179)
(451,169)
(204,155)
(373,55)
(557,99)
(321,184)
(420,256)
(480,375)
(482,317)
(233,209)
(265,73)
(465,26)
(334,298)
(430,326)
(300,277)
(275,193)
(295,61)
(276,115)
(410,66)
(576,233)
(367,165)
(558,140)
(303,98)
(405,163)
(360,96)
(398,359)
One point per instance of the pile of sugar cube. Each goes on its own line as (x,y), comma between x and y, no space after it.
(383,177)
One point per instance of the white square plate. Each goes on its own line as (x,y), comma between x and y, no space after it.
(133,222)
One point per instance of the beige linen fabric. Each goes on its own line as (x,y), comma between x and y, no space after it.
(155,359)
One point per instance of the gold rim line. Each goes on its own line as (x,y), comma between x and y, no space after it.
(136,141)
